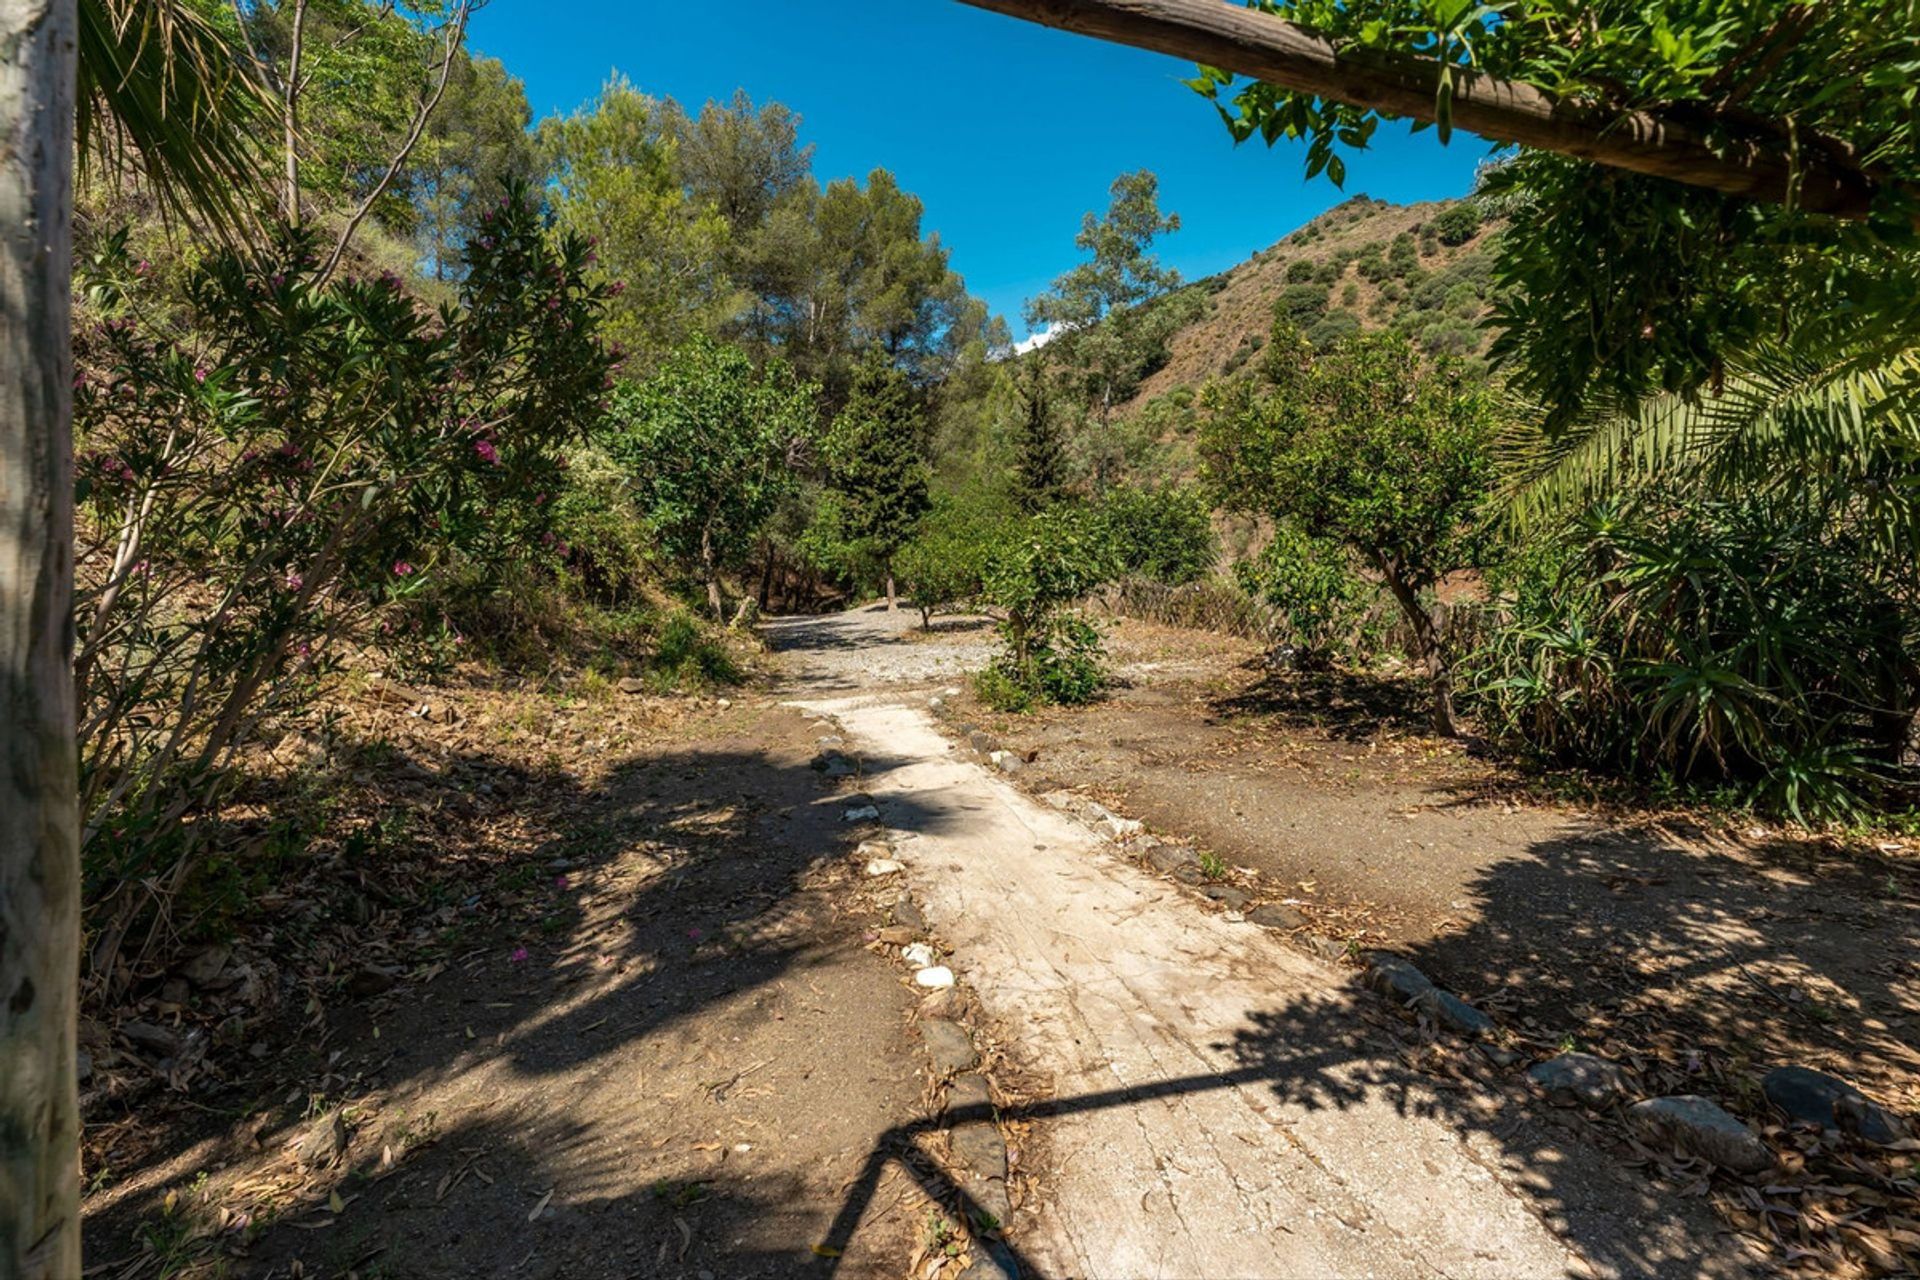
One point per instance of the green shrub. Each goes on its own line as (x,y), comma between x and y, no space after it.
(943,564)
(686,655)
(1707,643)
(1337,326)
(271,466)
(1165,535)
(1316,583)
(1301,304)
(1300,271)
(605,547)
(1036,576)
(1403,256)
(1457,224)
(993,686)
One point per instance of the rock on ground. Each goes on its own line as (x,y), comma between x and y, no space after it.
(1581,1079)
(1700,1127)
(1812,1097)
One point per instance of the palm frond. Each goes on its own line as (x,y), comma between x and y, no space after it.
(1840,406)
(162,89)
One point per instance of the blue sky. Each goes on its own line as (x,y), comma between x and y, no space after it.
(1009,132)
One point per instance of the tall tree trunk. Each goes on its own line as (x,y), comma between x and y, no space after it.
(766,574)
(290,117)
(1427,646)
(893,597)
(709,566)
(39,828)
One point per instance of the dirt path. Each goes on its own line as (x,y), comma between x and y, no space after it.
(664,1050)
(1218,1103)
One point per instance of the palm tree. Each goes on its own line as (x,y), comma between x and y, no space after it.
(161,88)
(143,81)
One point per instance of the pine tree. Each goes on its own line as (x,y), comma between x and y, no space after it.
(1042,459)
(879,463)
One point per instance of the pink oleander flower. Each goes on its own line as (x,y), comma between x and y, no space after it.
(401,568)
(519,955)
(295,582)
(200,373)
(487,452)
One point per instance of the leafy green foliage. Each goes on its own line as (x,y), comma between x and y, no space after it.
(710,442)
(1457,223)
(1830,411)
(1301,304)
(1634,284)
(270,464)
(1316,583)
(945,563)
(1036,574)
(1040,457)
(1107,334)
(1165,535)
(613,179)
(162,84)
(475,146)
(1702,642)
(877,460)
(1368,446)
(838,272)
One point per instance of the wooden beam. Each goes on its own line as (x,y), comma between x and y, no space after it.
(1266,47)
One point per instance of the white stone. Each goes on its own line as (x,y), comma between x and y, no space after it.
(865,813)
(938,977)
(884,867)
(1122,829)
(873,849)
(918,954)
(935,703)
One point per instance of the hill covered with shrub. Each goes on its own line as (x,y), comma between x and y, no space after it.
(1424,270)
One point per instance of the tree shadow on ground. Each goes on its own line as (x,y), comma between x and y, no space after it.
(696,890)
(1756,952)
(1349,1049)
(1352,706)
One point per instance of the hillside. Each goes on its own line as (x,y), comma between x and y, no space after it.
(1364,264)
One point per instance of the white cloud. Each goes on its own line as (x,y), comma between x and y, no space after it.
(1037,340)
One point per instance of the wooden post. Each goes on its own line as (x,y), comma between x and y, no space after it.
(39,844)
(1267,47)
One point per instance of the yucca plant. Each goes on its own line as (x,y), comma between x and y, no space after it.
(1677,636)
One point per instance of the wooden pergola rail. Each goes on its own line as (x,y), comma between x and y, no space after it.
(1266,47)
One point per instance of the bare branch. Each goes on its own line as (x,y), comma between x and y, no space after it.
(456,29)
